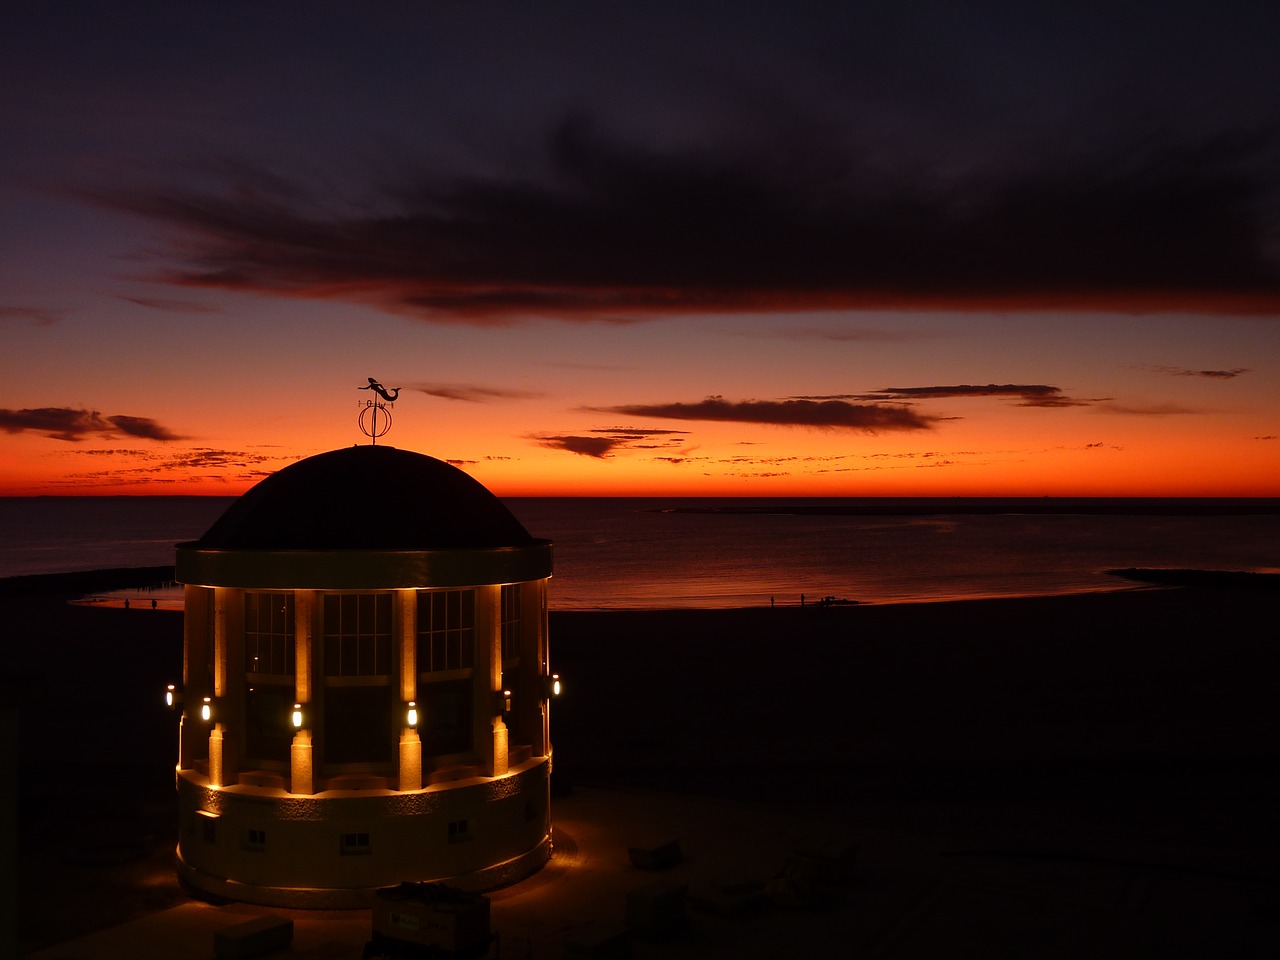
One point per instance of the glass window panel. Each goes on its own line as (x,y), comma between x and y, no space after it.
(358,725)
(365,649)
(350,625)
(446,635)
(269,633)
(267,731)
(447,712)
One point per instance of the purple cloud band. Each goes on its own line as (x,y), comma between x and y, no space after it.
(616,230)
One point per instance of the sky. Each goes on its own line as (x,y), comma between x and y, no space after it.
(661,249)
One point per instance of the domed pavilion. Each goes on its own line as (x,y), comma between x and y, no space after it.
(365,686)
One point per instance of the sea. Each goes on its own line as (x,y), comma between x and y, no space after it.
(660,553)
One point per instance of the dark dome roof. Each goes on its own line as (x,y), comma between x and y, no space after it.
(366,498)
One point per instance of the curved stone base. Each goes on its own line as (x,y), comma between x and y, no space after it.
(334,849)
(329,898)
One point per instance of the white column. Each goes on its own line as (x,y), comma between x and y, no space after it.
(410,743)
(301,756)
(226,739)
(490,730)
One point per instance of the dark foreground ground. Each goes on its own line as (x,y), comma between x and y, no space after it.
(1060,741)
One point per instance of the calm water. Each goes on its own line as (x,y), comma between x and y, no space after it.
(647,553)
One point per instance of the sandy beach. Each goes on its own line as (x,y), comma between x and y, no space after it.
(1131,727)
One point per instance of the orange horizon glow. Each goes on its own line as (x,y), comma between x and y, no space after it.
(1075,473)
(1080,406)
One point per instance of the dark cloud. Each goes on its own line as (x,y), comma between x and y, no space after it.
(59,423)
(171,306)
(66,423)
(1030,394)
(860,335)
(472,394)
(1148,409)
(1209,374)
(1024,390)
(605,228)
(831,414)
(36,316)
(605,440)
(681,461)
(598,447)
(204,458)
(197,463)
(640,432)
(143,427)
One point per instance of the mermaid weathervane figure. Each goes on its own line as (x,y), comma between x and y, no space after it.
(381,391)
(373,430)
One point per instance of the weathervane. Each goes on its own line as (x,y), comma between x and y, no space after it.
(368,418)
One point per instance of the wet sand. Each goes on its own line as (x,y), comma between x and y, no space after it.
(1134,726)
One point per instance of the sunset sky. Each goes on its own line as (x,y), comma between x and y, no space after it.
(800,249)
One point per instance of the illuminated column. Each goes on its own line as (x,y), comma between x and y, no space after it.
(301,756)
(217,757)
(410,742)
(408,600)
(491,731)
(228,685)
(533,664)
(304,607)
(301,764)
(410,759)
(499,735)
(196,683)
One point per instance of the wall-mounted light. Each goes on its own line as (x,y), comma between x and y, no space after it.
(552,684)
(411,714)
(208,710)
(298,716)
(173,696)
(502,700)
